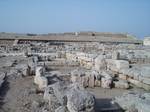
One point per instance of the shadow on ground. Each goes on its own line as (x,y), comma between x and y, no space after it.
(3,91)
(105,105)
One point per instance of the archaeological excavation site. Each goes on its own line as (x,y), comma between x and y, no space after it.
(74,72)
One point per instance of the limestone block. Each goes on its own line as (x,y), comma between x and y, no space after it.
(117,65)
(24,68)
(39,71)
(145,80)
(100,63)
(122,76)
(123,84)
(97,83)
(26,72)
(115,55)
(73,96)
(74,78)
(91,81)
(39,79)
(106,75)
(89,65)
(120,64)
(85,81)
(43,82)
(145,71)
(80,101)
(136,75)
(146,86)
(77,78)
(135,82)
(133,102)
(106,83)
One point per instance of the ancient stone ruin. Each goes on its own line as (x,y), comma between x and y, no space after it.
(74,72)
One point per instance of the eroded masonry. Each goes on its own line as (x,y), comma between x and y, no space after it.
(74,72)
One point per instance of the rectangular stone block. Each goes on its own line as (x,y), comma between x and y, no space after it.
(97,83)
(106,83)
(146,86)
(122,76)
(117,65)
(123,84)
(91,81)
(135,82)
(145,80)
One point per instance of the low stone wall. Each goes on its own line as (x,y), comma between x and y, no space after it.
(139,76)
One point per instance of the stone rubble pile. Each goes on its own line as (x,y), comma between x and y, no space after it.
(91,78)
(70,98)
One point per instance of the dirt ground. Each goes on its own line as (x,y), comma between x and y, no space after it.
(18,95)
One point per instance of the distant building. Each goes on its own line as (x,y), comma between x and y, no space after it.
(76,34)
(146,41)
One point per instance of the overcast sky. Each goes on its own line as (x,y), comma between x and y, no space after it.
(46,16)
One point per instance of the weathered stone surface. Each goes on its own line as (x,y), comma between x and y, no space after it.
(123,84)
(97,83)
(106,80)
(86,78)
(115,55)
(61,109)
(139,84)
(140,102)
(78,76)
(146,86)
(73,96)
(80,101)
(39,79)
(91,80)
(50,97)
(59,90)
(145,71)
(117,65)
(106,75)
(135,82)
(85,81)
(144,80)
(100,63)
(24,68)
(122,76)
(106,83)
